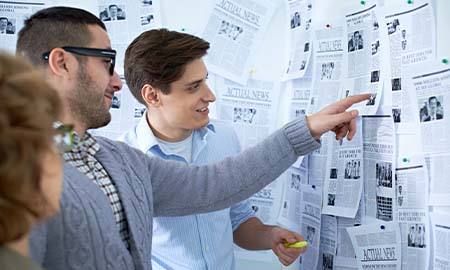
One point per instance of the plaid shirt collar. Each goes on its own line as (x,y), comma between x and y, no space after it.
(84,146)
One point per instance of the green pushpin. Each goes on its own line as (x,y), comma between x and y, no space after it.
(445,61)
(296,244)
(405,160)
(410,1)
(183,29)
(363,2)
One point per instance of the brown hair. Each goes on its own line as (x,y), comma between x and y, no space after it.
(159,57)
(28,108)
(55,27)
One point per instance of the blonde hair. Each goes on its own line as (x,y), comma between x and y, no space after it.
(28,108)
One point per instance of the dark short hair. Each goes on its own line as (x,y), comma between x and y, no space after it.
(4,18)
(159,57)
(113,5)
(55,27)
(28,109)
(433,97)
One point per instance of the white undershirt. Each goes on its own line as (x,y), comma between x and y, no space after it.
(182,148)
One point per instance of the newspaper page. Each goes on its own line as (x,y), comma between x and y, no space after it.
(300,40)
(430,86)
(441,240)
(290,214)
(251,109)
(412,42)
(364,58)
(310,221)
(125,111)
(266,204)
(125,20)
(328,237)
(12,17)
(412,203)
(379,166)
(344,179)
(345,255)
(329,67)
(235,30)
(377,245)
(300,91)
(317,160)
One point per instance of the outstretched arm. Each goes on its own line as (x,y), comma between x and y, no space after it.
(185,190)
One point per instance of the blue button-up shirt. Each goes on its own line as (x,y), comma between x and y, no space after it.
(203,241)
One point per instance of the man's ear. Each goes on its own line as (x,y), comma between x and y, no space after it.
(151,95)
(61,63)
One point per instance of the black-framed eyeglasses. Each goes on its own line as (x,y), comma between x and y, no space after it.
(64,138)
(95,52)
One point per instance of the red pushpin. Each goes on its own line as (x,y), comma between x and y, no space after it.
(328,25)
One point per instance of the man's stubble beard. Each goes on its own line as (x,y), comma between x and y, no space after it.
(87,104)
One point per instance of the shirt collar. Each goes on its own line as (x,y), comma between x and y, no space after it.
(146,140)
(85,144)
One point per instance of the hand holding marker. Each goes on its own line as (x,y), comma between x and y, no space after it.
(296,244)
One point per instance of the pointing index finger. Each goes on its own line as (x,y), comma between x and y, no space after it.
(346,103)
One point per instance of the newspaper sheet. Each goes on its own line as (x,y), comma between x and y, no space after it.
(125,20)
(379,166)
(317,160)
(235,30)
(412,41)
(329,67)
(364,58)
(311,202)
(328,237)
(345,255)
(344,179)
(266,205)
(290,214)
(430,90)
(125,111)
(441,240)
(299,91)
(12,17)
(300,40)
(250,109)
(377,245)
(412,203)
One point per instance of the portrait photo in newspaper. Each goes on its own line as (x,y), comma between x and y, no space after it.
(396,115)
(112,12)
(431,109)
(355,41)
(396,84)
(7,25)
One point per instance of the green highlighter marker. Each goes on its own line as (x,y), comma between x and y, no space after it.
(296,244)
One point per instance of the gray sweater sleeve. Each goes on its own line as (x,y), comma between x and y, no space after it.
(179,189)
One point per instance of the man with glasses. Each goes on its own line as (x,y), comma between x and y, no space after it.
(112,191)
